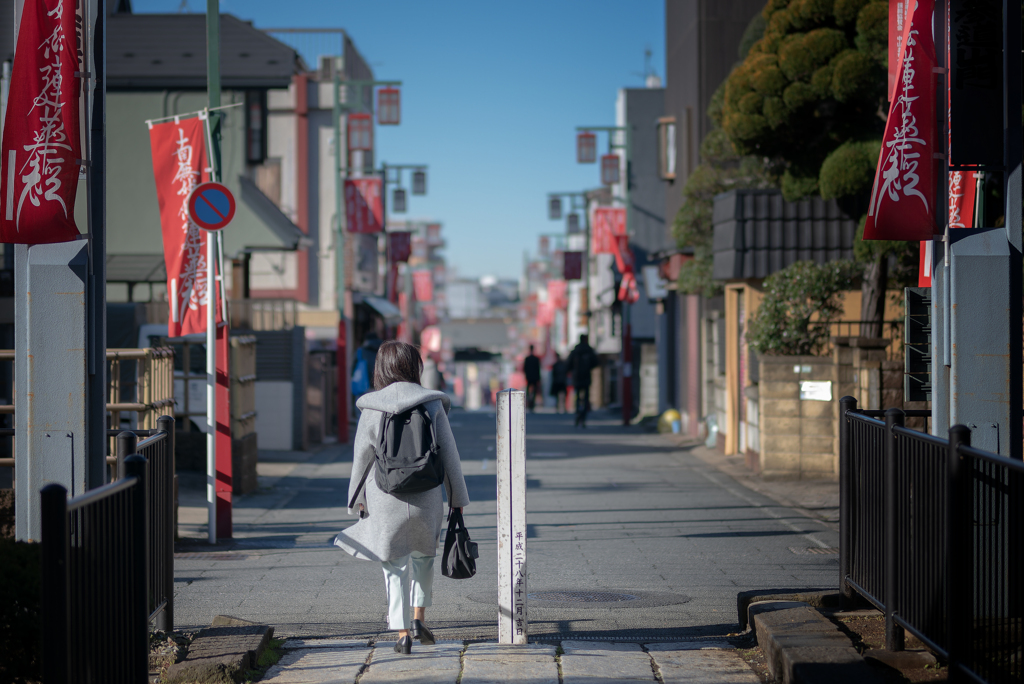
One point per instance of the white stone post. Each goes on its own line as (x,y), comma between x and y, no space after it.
(513,618)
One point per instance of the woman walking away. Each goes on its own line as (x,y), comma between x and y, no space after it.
(400,530)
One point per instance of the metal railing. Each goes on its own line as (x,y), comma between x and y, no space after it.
(931,534)
(158,450)
(94,569)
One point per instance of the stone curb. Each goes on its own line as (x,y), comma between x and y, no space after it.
(816,598)
(221,653)
(803,647)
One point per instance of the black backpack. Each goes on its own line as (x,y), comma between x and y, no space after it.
(407,456)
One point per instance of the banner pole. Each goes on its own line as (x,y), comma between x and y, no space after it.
(211,385)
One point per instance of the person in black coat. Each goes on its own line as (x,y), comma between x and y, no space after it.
(582,361)
(531,369)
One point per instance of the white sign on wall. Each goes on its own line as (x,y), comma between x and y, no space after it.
(816,390)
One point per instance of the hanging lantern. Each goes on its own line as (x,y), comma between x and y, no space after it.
(398,201)
(573,223)
(419,182)
(586,148)
(609,169)
(555,208)
(389,107)
(360,132)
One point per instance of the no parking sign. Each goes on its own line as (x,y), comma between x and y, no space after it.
(211,206)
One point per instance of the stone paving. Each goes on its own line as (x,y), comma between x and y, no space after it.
(570,662)
(633,538)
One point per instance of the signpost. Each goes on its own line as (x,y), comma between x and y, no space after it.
(513,618)
(211,206)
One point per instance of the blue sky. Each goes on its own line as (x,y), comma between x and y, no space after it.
(492,93)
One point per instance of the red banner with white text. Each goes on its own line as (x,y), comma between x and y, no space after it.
(624,261)
(607,224)
(902,197)
(180,164)
(42,141)
(364,206)
(423,285)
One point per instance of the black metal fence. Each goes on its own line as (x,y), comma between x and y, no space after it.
(931,534)
(158,449)
(94,582)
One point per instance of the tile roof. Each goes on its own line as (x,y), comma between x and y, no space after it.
(157,51)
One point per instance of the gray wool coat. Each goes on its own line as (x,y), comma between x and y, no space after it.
(393,525)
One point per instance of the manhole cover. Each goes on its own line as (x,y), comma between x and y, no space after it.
(580,596)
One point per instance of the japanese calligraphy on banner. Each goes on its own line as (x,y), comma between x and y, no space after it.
(897,20)
(423,285)
(962,187)
(901,199)
(41,143)
(608,222)
(180,164)
(364,208)
(624,261)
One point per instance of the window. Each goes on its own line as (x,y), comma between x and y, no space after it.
(667,147)
(255,126)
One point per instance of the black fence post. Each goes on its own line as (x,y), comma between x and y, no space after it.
(126,442)
(893,633)
(54,521)
(135,466)
(165,620)
(846,404)
(959,553)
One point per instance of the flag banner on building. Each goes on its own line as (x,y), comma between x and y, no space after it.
(628,291)
(364,206)
(399,246)
(901,205)
(606,225)
(572,265)
(180,164)
(556,293)
(42,140)
(423,285)
(962,187)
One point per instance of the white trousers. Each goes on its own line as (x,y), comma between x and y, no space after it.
(408,581)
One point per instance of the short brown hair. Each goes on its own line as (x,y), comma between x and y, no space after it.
(396,362)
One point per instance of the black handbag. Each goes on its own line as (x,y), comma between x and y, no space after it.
(460,552)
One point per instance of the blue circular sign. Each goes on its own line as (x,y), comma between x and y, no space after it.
(211,206)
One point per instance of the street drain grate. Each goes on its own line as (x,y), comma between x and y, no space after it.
(211,556)
(580,596)
(814,550)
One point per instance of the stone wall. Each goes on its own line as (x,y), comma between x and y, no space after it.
(797,434)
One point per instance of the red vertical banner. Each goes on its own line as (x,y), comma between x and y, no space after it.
(901,205)
(607,224)
(962,186)
(364,206)
(423,285)
(556,293)
(628,290)
(572,265)
(179,164)
(924,268)
(399,246)
(897,20)
(42,141)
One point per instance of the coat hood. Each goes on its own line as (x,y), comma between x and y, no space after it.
(401,396)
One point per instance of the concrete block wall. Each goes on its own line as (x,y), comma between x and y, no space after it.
(797,435)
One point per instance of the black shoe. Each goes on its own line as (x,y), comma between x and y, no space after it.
(419,631)
(403,646)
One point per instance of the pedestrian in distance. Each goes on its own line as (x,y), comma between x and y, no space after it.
(362,368)
(401,530)
(531,369)
(559,379)
(582,360)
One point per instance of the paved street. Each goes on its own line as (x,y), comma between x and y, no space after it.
(631,539)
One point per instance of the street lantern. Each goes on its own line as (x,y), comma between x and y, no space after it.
(389,107)
(555,208)
(609,169)
(398,201)
(573,223)
(360,132)
(419,182)
(586,148)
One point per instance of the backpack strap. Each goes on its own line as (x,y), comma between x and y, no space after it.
(384,416)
